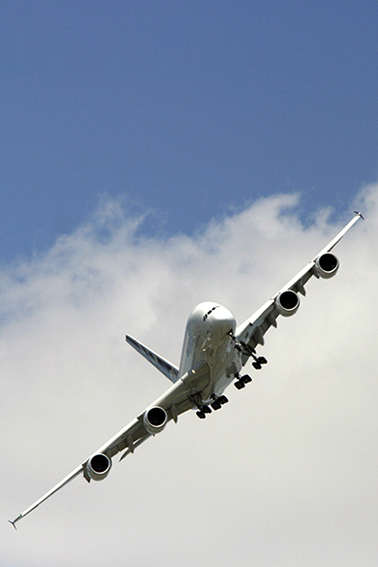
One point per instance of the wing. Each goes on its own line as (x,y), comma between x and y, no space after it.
(286,302)
(175,401)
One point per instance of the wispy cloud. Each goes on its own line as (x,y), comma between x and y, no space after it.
(285,474)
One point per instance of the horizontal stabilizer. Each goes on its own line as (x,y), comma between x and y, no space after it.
(165,367)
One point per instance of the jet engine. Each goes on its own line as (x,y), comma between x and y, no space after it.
(98,467)
(287,302)
(326,265)
(155,419)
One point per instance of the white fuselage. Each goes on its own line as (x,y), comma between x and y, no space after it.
(209,338)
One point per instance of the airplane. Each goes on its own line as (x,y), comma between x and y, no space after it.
(215,350)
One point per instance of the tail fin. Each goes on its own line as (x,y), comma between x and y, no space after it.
(165,367)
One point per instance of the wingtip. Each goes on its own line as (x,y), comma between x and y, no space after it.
(14,522)
(360,215)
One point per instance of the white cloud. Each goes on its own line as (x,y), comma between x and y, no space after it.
(284,475)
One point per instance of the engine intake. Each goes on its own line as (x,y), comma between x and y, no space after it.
(155,419)
(98,467)
(287,302)
(326,265)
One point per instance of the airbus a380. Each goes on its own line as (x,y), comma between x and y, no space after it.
(214,352)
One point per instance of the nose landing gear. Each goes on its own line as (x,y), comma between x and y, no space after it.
(258,361)
(245,349)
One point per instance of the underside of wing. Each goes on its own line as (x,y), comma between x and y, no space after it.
(286,301)
(177,400)
(173,403)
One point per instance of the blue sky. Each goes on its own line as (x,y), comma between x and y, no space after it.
(186,109)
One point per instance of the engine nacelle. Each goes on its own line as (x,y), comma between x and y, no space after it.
(155,419)
(98,467)
(287,302)
(326,265)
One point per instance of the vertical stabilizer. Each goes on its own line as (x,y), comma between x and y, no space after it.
(165,367)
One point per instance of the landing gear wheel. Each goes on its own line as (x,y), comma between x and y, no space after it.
(216,405)
(222,400)
(256,365)
(201,414)
(239,384)
(246,379)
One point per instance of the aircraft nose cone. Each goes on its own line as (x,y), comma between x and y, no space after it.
(213,318)
(222,314)
(222,321)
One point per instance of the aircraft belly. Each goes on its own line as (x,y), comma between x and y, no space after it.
(224,364)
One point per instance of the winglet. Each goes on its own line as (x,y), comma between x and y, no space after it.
(360,215)
(14,521)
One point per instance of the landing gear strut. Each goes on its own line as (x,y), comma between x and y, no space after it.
(245,349)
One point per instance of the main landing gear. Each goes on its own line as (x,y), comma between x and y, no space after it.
(215,405)
(257,363)
(242,381)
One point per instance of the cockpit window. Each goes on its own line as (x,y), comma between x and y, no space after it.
(209,312)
